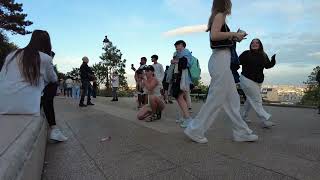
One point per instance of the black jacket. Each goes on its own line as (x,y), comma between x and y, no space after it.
(86,73)
(254,63)
(318,77)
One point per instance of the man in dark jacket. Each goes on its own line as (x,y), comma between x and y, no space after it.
(318,80)
(86,75)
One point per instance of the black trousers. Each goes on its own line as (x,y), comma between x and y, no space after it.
(49,93)
(86,91)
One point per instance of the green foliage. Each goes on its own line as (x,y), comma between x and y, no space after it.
(74,74)
(111,61)
(121,92)
(100,71)
(200,88)
(5,48)
(312,94)
(12,19)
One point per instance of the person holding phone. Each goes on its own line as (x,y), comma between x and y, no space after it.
(253,63)
(222,92)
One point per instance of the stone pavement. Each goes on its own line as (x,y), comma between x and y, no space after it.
(160,151)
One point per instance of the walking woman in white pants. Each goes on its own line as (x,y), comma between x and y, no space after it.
(253,62)
(222,92)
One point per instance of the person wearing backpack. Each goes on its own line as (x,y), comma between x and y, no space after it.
(195,72)
(181,79)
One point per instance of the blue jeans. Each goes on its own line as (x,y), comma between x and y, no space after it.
(76,92)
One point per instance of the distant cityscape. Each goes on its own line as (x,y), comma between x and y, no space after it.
(284,94)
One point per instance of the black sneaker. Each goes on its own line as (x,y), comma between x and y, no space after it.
(82,105)
(90,104)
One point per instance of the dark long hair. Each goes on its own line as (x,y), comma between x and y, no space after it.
(261,49)
(29,64)
(219,6)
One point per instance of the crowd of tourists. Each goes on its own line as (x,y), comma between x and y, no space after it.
(28,82)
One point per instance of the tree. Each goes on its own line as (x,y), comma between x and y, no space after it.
(111,62)
(312,94)
(74,74)
(12,19)
(100,71)
(5,48)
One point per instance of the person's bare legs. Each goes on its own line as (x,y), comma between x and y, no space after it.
(183,105)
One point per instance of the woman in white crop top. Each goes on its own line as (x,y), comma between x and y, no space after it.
(24,75)
(155,104)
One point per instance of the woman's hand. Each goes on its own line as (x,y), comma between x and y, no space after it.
(239,36)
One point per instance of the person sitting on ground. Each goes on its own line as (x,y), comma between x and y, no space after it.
(23,78)
(155,104)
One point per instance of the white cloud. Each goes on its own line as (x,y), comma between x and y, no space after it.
(67,63)
(186,30)
(315,54)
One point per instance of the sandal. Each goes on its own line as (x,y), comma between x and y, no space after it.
(153,117)
(159,114)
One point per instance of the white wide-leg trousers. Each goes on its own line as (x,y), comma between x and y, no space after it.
(222,94)
(252,90)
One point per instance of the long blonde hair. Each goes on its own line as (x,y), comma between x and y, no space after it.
(219,6)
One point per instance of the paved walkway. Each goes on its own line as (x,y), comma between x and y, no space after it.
(159,150)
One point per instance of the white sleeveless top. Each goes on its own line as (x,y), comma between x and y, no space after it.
(16,95)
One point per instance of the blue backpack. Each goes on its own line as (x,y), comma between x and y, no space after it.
(194,69)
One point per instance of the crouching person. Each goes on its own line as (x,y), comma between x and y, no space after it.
(153,109)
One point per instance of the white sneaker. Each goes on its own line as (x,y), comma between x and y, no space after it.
(196,138)
(179,120)
(57,135)
(267,124)
(185,123)
(245,138)
(246,119)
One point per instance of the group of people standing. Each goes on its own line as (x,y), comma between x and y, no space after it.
(28,80)
(223,65)
(70,87)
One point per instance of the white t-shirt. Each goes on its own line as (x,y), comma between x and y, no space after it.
(18,96)
(69,83)
(115,81)
(159,73)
